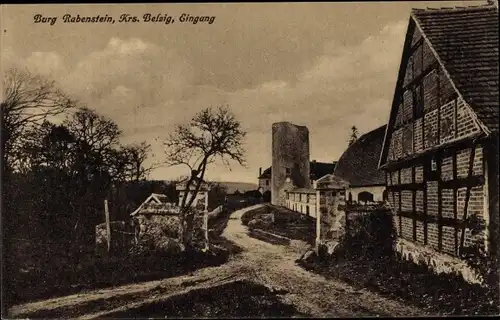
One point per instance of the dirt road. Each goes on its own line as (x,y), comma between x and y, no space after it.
(271,265)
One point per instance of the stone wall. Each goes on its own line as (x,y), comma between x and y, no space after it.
(332,215)
(158,232)
(439,263)
(290,152)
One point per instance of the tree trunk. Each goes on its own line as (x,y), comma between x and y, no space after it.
(6,220)
(187,214)
(7,216)
(187,236)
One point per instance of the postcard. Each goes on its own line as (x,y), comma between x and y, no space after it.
(250,160)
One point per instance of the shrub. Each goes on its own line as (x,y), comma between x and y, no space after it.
(369,236)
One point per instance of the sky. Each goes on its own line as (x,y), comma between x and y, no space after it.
(327,66)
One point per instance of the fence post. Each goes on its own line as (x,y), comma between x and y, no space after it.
(108,226)
(205,227)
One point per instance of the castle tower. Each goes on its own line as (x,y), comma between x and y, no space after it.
(290,165)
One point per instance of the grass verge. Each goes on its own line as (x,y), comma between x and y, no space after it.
(247,300)
(437,294)
(100,272)
(287,223)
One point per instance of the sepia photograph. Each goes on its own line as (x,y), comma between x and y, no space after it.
(250,160)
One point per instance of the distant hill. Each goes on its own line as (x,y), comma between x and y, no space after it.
(240,186)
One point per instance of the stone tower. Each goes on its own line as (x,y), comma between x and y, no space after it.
(290,165)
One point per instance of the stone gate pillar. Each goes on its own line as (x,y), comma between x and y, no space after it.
(333,190)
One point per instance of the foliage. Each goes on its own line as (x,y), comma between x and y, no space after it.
(369,236)
(436,294)
(28,100)
(211,135)
(367,259)
(217,195)
(56,175)
(266,196)
(79,163)
(476,256)
(354,135)
(100,272)
(253,194)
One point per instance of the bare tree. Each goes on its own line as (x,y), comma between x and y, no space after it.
(28,100)
(97,131)
(211,135)
(137,155)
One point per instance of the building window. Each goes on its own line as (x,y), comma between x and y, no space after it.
(288,170)
(432,169)
(267,182)
(433,165)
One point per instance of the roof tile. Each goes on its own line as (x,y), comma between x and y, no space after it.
(358,165)
(466,40)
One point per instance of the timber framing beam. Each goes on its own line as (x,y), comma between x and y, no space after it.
(445,150)
(474,181)
(440,221)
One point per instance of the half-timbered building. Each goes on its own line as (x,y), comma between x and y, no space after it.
(440,150)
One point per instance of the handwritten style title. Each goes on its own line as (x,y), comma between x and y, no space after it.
(125,18)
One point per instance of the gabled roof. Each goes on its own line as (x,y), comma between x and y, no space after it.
(331,181)
(316,170)
(303,190)
(156,204)
(159,198)
(358,165)
(465,41)
(266,174)
(320,169)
